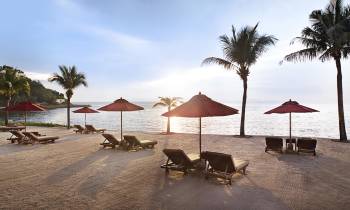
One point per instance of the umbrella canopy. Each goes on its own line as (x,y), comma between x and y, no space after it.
(26,107)
(121,105)
(85,110)
(291,107)
(201,106)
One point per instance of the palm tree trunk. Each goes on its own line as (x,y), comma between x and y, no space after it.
(342,130)
(68,113)
(168,123)
(244,102)
(7,112)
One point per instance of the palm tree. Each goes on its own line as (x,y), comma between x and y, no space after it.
(69,80)
(169,102)
(12,83)
(327,39)
(241,51)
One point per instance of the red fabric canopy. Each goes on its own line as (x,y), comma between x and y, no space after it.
(121,105)
(201,106)
(26,107)
(291,107)
(85,110)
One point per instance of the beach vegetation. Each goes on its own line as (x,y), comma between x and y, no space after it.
(241,51)
(69,79)
(169,102)
(327,38)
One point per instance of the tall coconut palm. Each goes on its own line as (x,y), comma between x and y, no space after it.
(241,51)
(168,102)
(12,83)
(69,79)
(327,39)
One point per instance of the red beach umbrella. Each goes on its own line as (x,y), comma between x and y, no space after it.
(201,106)
(85,110)
(291,107)
(121,105)
(26,107)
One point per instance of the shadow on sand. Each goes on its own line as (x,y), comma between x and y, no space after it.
(94,171)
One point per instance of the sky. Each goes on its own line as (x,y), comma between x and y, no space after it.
(143,49)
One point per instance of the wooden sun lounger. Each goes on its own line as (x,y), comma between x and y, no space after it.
(306,145)
(179,160)
(274,144)
(11,128)
(92,129)
(41,139)
(223,165)
(19,137)
(110,141)
(134,143)
(79,129)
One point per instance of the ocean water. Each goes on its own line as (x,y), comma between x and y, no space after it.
(321,124)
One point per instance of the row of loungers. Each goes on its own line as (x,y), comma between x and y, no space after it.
(87,129)
(30,137)
(129,142)
(305,145)
(216,164)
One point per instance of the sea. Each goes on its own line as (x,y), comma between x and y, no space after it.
(320,124)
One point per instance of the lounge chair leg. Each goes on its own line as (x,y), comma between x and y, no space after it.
(166,167)
(244,170)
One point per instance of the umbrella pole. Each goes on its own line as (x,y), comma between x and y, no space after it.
(121,125)
(85,119)
(25,121)
(290,125)
(200,135)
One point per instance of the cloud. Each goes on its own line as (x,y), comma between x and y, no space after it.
(37,75)
(124,40)
(77,16)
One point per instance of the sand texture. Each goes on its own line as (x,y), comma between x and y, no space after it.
(76,173)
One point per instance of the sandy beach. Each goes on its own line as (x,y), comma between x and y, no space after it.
(76,173)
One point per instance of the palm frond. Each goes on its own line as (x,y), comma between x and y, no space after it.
(222,62)
(302,55)
(159,104)
(69,78)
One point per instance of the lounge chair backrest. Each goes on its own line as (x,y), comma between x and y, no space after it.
(306,143)
(90,127)
(219,161)
(30,135)
(132,140)
(79,127)
(18,134)
(110,138)
(177,156)
(274,142)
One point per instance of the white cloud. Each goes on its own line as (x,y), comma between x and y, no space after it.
(76,19)
(37,75)
(124,40)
